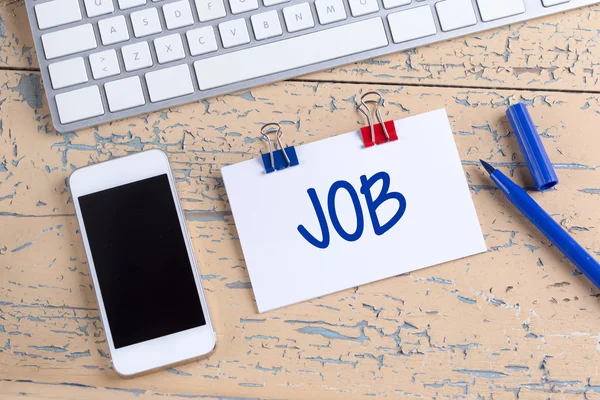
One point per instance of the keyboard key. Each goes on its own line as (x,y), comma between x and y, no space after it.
(169,83)
(145,22)
(240,6)
(412,24)
(266,25)
(169,48)
(136,56)
(550,3)
(95,8)
(363,7)
(492,10)
(292,53)
(330,11)
(387,4)
(113,30)
(69,41)
(455,14)
(57,13)
(268,3)
(298,17)
(67,73)
(178,14)
(234,33)
(201,40)
(79,104)
(125,4)
(210,9)
(104,64)
(124,93)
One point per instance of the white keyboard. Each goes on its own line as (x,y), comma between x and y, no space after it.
(103,60)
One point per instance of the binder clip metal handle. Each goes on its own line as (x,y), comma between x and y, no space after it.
(266,130)
(380,132)
(366,111)
(281,158)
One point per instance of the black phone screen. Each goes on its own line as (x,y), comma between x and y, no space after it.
(144,272)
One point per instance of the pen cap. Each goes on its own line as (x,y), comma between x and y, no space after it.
(531,145)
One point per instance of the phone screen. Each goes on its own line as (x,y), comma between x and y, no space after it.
(144,272)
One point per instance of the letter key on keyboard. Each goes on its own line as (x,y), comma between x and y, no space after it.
(234,33)
(298,17)
(95,8)
(178,14)
(330,11)
(113,30)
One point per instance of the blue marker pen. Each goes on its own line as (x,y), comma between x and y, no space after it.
(546,224)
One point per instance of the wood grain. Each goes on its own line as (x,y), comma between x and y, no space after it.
(517,321)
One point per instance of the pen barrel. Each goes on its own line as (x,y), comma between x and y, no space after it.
(559,237)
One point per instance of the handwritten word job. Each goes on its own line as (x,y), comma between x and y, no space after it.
(372,206)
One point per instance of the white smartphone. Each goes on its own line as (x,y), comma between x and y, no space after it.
(142,264)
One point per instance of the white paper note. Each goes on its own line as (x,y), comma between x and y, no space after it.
(425,217)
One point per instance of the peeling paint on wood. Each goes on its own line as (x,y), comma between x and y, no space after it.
(516,322)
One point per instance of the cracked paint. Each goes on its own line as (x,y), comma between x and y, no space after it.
(515,322)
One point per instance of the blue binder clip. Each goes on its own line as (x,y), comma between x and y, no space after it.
(277,159)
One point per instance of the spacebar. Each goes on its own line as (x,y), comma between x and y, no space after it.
(287,54)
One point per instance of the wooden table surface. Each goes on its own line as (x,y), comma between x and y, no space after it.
(515,322)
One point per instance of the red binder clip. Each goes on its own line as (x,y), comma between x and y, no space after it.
(380,133)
